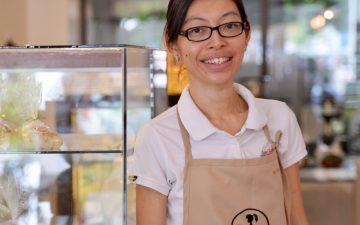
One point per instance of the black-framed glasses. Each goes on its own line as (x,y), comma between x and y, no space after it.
(202,33)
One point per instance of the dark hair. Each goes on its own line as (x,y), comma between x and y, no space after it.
(176,13)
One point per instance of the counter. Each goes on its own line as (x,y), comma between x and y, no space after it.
(332,195)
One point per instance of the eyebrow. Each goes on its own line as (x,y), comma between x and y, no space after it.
(202,19)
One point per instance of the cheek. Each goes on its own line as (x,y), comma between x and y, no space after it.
(187,55)
(188,52)
(188,58)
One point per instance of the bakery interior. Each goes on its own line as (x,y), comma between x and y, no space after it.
(82,75)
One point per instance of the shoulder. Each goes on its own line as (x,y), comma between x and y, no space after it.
(165,120)
(162,126)
(277,112)
(272,105)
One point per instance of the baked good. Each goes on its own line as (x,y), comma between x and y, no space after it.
(5,132)
(35,135)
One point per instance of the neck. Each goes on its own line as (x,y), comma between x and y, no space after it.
(218,102)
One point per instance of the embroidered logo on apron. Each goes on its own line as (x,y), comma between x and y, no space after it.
(267,149)
(250,217)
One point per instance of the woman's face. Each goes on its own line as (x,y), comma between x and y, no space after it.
(215,60)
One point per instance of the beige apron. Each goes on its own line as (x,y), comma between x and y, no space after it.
(234,191)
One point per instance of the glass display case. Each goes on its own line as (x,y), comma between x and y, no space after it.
(68,120)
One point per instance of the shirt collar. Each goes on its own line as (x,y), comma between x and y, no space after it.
(199,127)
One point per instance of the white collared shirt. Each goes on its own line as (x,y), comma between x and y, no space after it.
(159,151)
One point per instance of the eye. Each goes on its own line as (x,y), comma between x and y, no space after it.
(195,30)
(232,26)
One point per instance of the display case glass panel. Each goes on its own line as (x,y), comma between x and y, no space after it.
(68,120)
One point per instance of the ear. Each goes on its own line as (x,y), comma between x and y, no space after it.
(171,47)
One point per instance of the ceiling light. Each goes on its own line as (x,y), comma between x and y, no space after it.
(329,14)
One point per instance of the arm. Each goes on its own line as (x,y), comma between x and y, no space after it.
(151,206)
(298,216)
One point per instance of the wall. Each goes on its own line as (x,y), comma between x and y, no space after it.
(12,21)
(47,22)
(39,22)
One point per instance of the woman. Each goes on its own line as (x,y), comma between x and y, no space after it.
(213,159)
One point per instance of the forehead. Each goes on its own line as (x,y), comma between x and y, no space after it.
(211,9)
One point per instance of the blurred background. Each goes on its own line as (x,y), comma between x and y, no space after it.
(303,52)
(310,45)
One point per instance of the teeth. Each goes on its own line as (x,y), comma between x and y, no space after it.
(216,60)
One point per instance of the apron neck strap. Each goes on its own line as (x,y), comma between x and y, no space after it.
(274,144)
(185,137)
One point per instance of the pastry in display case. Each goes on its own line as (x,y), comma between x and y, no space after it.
(69,116)
(19,105)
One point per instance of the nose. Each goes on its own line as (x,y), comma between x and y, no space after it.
(216,41)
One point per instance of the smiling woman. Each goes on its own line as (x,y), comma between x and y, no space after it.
(220,151)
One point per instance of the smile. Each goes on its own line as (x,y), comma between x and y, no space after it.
(217,61)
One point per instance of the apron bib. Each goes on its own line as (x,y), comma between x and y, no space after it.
(234,191)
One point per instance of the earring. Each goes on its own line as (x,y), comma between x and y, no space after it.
(177,58)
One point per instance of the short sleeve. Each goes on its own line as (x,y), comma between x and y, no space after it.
(149,161)
(292,145)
